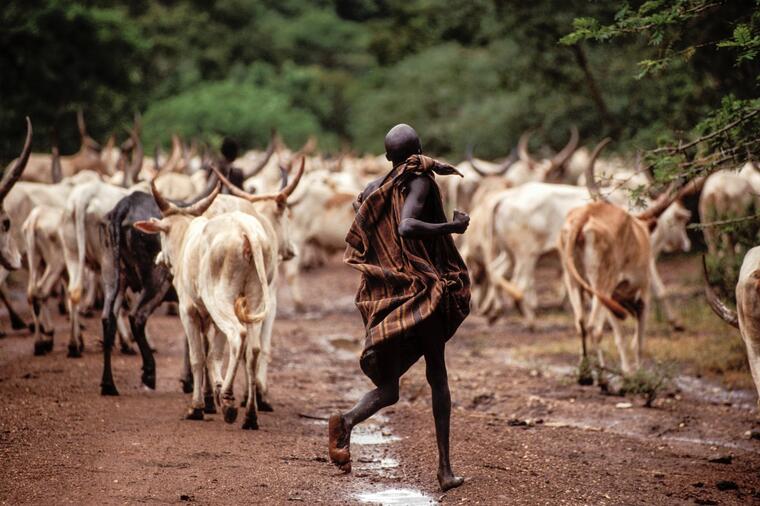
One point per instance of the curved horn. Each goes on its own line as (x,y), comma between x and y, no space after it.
(281,197)
(591,184)
(204,203)
(14,173)
(719,308)
(560,159)
(167,208)
(522,148)
(499,171)
(175,155)
(669,196)
(479,171)
(267,155)
(288,190)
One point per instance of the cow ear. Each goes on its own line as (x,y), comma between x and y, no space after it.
(151,226)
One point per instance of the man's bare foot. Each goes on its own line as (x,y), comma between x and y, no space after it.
(448,481)
(339,441)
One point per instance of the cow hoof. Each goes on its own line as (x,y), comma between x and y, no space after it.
(250,423)
(187,385)
(230,413)
(262,404)
(244,402)
(108,389)
(30,328)
(194,414)
(49,345)
(41,348)
(585,380)
(2,334)
(127,350)
(74,352)
(18,324)
(149,380)
(209,406)
(677,326)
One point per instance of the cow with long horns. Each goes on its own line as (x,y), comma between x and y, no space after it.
(222,267)
(606,252)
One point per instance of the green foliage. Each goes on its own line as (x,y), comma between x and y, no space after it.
(210,111)
(461,71)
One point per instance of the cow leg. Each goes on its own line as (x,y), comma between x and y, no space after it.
(150,298)
(525,280)
(17,323)
(191,323)
(108,319)
(43,339)
(262,389)
(125,332)
(222,314)
(209,407)
(187,374)
(576,303)
(596,320)
(213,353)
(292,270)
(753,357)
(622,347)
(43,322)
(252,363)
(660,293)
(215,359)
(75,336)
(641,321)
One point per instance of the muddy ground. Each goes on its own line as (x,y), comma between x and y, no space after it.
(523,432)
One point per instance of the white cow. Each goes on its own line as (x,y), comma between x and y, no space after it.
(728,194)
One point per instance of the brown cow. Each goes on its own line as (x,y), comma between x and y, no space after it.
(606,252)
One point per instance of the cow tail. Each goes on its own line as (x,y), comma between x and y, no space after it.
(241,302)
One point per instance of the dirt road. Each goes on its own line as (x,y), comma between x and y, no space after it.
(523,431)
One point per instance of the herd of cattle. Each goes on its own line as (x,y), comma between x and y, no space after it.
(213,235)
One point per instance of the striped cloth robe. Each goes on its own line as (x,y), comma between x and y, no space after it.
(404,281)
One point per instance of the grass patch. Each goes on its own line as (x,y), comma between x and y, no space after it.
(707,348)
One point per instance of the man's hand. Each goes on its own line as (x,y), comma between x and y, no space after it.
(460,221)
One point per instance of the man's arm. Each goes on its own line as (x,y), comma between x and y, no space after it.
(413,227)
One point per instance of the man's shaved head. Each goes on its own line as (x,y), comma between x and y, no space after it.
(401,142)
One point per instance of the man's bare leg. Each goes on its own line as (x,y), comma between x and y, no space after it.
(437,377)
(340,426)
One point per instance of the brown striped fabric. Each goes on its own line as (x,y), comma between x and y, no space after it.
(404,281)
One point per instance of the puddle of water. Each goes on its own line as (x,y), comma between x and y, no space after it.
(704,390)
(372,435)
(396,496)
(380,464)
